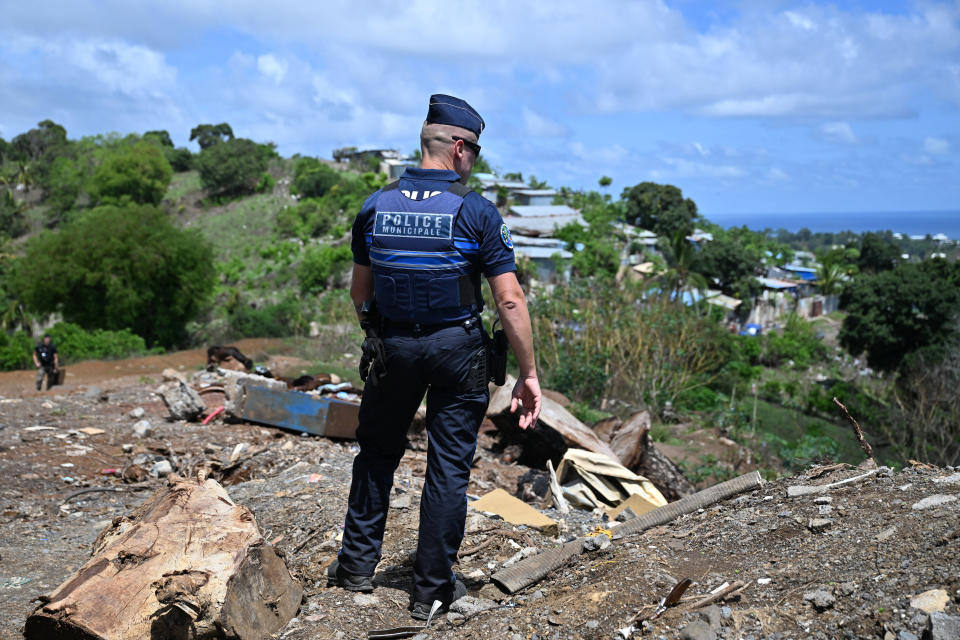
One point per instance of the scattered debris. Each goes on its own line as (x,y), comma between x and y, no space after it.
(589,480)
(930,601)
(820,599)
(935,500)
(819,525)
(142,429)
(515,511)
(183,402)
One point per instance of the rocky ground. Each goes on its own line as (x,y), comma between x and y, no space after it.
(846,563)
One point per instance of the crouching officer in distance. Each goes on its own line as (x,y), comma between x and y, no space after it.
(420,246)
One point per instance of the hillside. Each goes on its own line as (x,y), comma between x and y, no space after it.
(845,563)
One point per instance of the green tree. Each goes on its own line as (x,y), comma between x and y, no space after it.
(233,167)
(12,223)
(895,313)
(731,257)
(36,143)
(208,135)
(161,137)
(684,266)
(4,149)
(65,183)
(660,208)
(829,278)
(140,173)
(877,253)
(118,267)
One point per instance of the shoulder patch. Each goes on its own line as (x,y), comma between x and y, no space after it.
(505,236)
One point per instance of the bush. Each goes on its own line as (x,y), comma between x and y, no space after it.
(16,351)
(312,178)
(180,159)
(311,218)
(272,321)
(699,399)
(266,183)
(139,173)
(75,343)
(649,351)
(797,343)
(119,268)
(319,264)
(233,167)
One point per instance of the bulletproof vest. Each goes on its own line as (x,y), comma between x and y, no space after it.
(418,273)
(46,353)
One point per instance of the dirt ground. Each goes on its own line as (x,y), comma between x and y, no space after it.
(850,577)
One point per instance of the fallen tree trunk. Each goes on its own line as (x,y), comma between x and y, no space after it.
(556,430)
(187,564)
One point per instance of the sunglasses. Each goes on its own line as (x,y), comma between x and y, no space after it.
(473,146)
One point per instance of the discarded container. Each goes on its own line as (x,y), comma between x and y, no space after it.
(300,412)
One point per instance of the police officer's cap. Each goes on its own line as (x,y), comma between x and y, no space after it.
(455,112)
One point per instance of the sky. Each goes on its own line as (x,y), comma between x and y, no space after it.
(747,106)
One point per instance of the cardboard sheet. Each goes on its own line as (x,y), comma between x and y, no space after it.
(515,511)
(610,482)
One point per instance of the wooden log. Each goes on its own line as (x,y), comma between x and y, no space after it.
(188,564)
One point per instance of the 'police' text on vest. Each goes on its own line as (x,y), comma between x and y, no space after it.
(413,225)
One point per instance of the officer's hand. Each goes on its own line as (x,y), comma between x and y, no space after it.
(526,394)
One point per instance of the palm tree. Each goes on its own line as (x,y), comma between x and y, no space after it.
(829,278)
(683,267)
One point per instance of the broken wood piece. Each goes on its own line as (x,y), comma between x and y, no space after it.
(530,570)
(867,449)
(716,596)
(188,563)
(556,493)
(805,490)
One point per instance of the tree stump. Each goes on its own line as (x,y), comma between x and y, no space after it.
(188,564)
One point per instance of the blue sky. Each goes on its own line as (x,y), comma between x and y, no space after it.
(749,106)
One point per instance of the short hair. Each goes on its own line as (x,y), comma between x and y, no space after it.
(436,138)
(47,335)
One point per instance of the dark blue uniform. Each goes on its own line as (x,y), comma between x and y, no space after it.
(428,244)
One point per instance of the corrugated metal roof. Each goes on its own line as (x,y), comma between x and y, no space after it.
(773,283)
(542,253)
(539,210)
(541,226)
(536,192)
(521,240)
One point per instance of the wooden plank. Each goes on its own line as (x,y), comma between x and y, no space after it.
(300,412)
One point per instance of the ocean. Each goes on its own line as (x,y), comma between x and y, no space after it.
(905,222)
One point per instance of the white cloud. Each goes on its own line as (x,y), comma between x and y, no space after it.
(539,126)
(775,174)
(682,168)
(272,67)
(839,132)
(936,146)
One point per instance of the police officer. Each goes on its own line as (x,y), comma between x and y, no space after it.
(47,361)
(420,246)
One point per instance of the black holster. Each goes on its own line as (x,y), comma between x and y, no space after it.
(497,357)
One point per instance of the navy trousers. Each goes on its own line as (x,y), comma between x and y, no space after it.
(436,362)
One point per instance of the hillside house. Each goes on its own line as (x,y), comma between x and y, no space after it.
(541,221)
